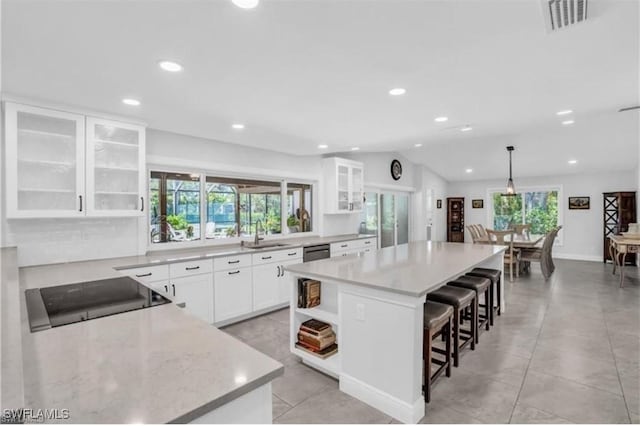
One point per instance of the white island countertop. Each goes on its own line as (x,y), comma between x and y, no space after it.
(412,269)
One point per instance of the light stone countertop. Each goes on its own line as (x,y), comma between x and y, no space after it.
(153,365)
(413,269)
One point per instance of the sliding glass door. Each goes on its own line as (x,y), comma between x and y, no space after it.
(394,219)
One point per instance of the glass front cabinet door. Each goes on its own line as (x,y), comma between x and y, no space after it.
(61,164)
(44,162)
(115,168)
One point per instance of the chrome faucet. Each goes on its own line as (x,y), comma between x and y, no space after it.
(257,239)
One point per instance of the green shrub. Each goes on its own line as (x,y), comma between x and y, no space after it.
(177,221)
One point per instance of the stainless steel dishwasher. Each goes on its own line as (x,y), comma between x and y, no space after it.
(317,252)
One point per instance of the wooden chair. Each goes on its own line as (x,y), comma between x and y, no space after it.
(543,255)
(512,256)
(478,233)
(524,231)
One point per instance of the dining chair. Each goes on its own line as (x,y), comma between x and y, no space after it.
(512,256)
(543,255)
(523,231)
(473,230)
(482,233)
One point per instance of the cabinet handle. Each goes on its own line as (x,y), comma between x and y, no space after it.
(166,289)
(141,204)
(191,268)
(344,245)
(173,286)
(233,272)
(292,254)
(266,257)
(367,242)
(278,271)
(231,262)
(148,274)
(80,197)
(282,269)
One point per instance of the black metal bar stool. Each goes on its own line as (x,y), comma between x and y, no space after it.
(459,298)
(482,286)
(495,275)
(437,321)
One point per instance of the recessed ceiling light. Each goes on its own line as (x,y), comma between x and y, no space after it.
(418,145)
(246,4)
(468,170)
(397,91)
(441,119)
(170,66)
(564,112)
(355,148)
(130,101)
(238,126)
(466,128)
(573,161)
(323,146)
(568,122)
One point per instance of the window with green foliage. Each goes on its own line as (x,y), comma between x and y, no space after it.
(174,212)
(230,207)
(299,207)
(539,208)
(235,207)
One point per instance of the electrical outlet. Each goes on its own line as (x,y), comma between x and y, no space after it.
(360,311)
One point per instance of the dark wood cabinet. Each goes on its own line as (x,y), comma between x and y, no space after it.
(619,211)
(455,220)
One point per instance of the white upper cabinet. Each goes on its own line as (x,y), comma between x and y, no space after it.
(44,162)
(60,164)
(115,168)
(344,180)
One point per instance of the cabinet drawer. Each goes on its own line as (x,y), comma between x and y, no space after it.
(364,243)
(277,256)
(231,262)
(186,269)
(149,274)
(341,246)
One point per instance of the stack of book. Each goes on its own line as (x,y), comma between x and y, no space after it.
(308,293)
(317,338)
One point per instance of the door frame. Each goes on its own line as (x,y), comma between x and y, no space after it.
(379,192)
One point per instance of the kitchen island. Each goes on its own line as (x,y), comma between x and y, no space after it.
(374,303)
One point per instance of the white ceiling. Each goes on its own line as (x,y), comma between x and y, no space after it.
(300,73)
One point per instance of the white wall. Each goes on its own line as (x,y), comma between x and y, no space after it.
(582,229)
(415,178)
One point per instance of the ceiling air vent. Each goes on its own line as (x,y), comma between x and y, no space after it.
(560,14)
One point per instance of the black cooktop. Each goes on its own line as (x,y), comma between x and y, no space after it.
(66,304)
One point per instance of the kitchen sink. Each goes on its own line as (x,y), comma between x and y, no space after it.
(254,246)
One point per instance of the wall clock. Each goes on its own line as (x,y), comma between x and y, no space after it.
(396,170)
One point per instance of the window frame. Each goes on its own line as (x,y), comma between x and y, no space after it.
(203,241)
(519,191)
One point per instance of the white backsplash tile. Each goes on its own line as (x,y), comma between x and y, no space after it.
(44,241)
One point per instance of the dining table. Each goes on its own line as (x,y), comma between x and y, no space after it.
(525,242)
(619,247)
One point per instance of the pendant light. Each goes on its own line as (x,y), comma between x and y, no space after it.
(511,189)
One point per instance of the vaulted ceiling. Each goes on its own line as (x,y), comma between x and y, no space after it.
(303,73)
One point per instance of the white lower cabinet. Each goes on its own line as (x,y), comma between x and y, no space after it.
(232,293)
(266,285)
(284,284)
(196,292)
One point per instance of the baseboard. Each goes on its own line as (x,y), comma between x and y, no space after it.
(585,257)
(388,404)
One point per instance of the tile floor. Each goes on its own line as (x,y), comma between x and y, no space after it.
(565,351)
